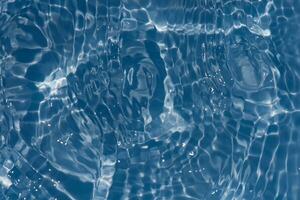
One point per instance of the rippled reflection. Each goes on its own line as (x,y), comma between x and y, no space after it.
(149,99)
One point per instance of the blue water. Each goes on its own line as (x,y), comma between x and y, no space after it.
(150,99)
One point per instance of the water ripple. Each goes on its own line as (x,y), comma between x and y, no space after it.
(126,99)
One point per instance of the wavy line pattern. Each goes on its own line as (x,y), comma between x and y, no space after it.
(149,99)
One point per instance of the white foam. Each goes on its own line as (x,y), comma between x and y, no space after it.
(54,82)
(53,85)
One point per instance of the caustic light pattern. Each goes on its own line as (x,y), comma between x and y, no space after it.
(150,99)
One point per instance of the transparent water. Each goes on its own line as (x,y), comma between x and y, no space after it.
(149,99)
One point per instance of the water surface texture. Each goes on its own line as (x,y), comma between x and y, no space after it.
(150,99)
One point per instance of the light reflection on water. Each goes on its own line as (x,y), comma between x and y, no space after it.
(149,99)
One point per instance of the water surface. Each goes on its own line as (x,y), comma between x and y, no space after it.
(150,99)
